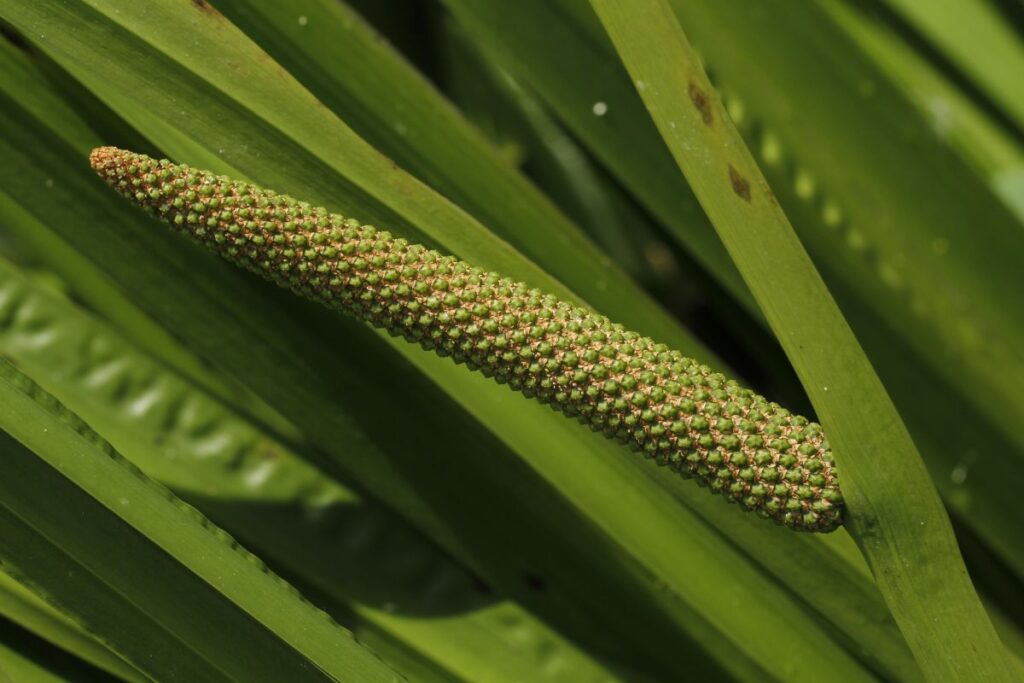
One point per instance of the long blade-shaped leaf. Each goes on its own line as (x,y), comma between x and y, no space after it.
(26,658)
(975,38)
(895,513)
(90,283)
(994,153)
(294,374)
(560,49)
(540,528)
(350,551)
(173,594)
(891,245)
(394,108)
(890,242)
(32,613)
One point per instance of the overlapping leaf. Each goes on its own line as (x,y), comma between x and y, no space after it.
(543,526)
(898,521)
(563,521)
(190,604)
(26,609)
(388,583)
(889,247)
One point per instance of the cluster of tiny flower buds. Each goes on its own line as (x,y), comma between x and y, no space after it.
(671,408)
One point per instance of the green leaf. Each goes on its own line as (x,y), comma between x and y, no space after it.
(350,552)
(889,244)
(391,106)
(958,120)
(900,214)
(1000,160)
(539,145)
(545,532)
(894,512)
(550,61)
(28,610)
(26,658)
(978,41)
(521,540)
(173,594)
(187,290)
(91,283)
(888,241)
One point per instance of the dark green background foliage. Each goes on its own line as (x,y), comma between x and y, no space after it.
(205,478)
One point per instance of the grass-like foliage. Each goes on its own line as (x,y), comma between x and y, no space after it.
(627,210)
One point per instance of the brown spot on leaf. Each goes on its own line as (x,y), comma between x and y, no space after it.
(740,185)
(701,102)
(204,6)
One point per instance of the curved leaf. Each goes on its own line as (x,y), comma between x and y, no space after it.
(371,88)
(972,35)
(894,513)
(556,541)
(172,594)
(881,235)
(961,122)
(393,585)
(28,610)
(26,658)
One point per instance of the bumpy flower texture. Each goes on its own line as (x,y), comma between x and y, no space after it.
(673,409)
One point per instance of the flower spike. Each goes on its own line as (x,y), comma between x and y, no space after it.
(673,409)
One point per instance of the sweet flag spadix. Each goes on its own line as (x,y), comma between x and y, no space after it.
(673,409)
